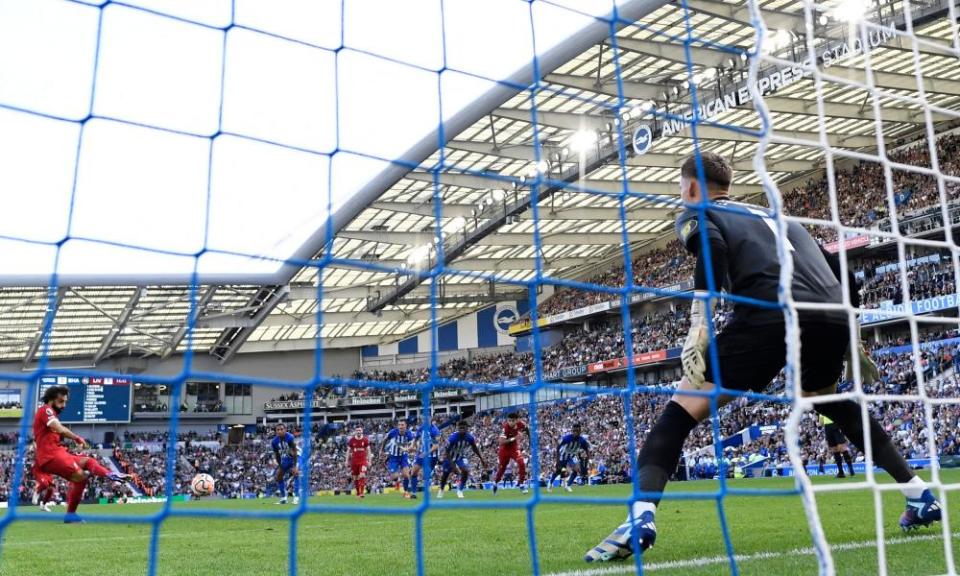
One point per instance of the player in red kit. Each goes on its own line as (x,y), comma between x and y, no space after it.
(358,455)
(510,450)
(44,489)
(52,458)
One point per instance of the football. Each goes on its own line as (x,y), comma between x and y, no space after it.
(202,485)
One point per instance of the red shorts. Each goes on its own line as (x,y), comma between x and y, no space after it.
(41,477)
(63,464)
(358,468)
(509,452)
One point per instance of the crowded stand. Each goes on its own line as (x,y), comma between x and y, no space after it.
(862,200)
(246,468)
(862,191)
(660,267)
(926,280)
(603,341)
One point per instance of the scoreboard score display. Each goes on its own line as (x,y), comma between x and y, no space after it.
(93,399)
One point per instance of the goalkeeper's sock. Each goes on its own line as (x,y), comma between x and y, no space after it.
(661,452)
(849,459)
(839,460)
(914,489)
(638,508)
(94,467)
(847,415)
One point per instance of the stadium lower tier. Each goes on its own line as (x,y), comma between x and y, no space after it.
(248,469)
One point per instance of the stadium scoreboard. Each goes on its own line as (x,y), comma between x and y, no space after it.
(93,399)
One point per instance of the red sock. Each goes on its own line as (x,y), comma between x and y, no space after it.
(521,470)
(94,467)
(361,486)
(74,495)
(500,471)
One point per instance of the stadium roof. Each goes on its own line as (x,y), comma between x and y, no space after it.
(485,191)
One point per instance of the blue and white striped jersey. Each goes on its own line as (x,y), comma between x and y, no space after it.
(287,441)
(434,434)
(571,445)
(397,443)
(459,445)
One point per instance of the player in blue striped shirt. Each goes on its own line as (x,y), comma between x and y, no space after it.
(574,449)
(397,444)
(285,450)
(423,460)
(455,458)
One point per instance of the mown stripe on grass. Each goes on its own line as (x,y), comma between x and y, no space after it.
(713,560)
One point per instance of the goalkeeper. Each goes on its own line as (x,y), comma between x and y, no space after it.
(751,349)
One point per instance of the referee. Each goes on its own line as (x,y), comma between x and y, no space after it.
(838,445)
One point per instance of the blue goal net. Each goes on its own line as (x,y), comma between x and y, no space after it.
(186,181)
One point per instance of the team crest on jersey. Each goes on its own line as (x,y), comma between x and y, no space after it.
(49,412)
(688,227)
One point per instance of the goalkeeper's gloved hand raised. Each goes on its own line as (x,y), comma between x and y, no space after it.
(693,356)
(869,372)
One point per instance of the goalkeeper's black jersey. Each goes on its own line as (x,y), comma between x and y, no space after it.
(753,267)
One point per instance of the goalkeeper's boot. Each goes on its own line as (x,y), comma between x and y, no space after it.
(920,512)
(619,545)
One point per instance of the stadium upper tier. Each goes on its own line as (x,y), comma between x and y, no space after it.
(862,203)
(481,174)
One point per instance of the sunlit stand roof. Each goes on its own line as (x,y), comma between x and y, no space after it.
(136,140)
(578,100)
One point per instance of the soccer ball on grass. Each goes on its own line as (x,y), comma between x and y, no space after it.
(202,485)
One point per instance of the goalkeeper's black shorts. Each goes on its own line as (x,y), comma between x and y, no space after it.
(751,356)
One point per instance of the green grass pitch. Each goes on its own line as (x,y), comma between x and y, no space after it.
(769,533)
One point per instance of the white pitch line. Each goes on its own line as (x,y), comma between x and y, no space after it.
(169,534)
(630,567)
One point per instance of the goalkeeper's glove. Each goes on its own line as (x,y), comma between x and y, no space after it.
(869,372)
(695,346)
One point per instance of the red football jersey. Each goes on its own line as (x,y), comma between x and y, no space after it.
(48,441)
(358,448)
(515,431)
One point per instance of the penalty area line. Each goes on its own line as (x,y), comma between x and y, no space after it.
(628,566)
